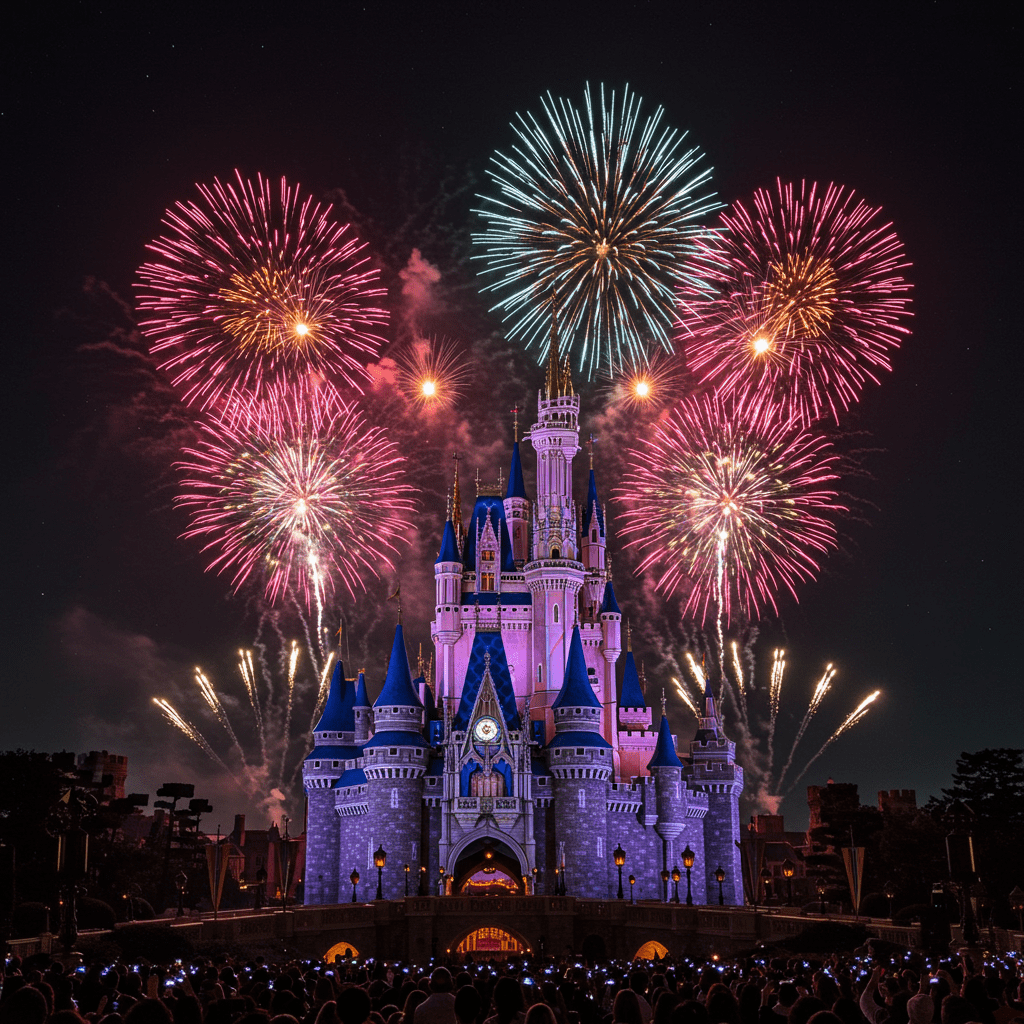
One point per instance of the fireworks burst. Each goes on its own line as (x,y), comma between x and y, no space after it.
(433,374)
(800,302)
(728,499)
(254,287)
(647,385)
(299,491)
(736,690)
(598,209)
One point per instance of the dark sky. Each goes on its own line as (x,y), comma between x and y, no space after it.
(110,113)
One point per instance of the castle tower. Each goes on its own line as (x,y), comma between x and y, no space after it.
(333,746)
(580,761)
(395,760)
(517,509)
(714,771)
(593,545)
(361,712)
(446,628)
(554,574)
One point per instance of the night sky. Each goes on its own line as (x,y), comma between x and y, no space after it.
(111,113)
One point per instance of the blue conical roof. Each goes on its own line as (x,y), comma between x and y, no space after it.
(632,695)
(361,698)
(338,715)
(593,506)
(449,545)
(398,689)
(485,644)
(516,487)
(576,691)
(665,755)
(609,604)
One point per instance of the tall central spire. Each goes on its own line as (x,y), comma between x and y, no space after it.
(553,381)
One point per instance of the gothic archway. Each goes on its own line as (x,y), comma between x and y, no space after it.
(490,943)
(488,866)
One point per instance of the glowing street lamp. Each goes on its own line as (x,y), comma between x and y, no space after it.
(620,858)
(354,879)
(676,875)
(423,880)
(380,858)
(688,860)
(720,878)
(664,882)
(788,871)
(632,882)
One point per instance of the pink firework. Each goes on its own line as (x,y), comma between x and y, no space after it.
(731,502)
(299,493)
(800,302)
(253,287)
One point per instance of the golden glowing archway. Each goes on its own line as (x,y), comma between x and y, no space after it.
(346,950)
(491,942)
(650,950)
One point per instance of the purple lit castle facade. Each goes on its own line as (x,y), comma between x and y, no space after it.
(525,764)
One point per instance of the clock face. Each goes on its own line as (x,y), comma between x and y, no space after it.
(486,730)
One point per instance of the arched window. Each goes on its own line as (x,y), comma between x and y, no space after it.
(554,614)
(583,799)
(394,798)
(593,536)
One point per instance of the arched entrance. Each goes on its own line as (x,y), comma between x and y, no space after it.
(488,867)
(344,950)
(490,943)
(650,951)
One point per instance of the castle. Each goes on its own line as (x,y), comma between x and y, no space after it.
(523,768)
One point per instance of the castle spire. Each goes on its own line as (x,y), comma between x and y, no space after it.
(553,380)
(457,499)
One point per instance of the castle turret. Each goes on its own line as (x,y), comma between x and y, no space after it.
(446,628)
(394,760)
(593,546)
(362,713)
(333,746)
(713,770)
(580,760)
(517,509)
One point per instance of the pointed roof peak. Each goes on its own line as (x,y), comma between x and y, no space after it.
(576,691)
(516,486)
(361,698)
(593,506)
(449,545)
(665,755)
(338,713)
(632,694)
(609,606)
(398,690)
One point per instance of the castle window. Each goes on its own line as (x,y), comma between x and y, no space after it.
(487,582)
(579,751)
(583,799)
(334,764)
(487,556)
(539,674)
(394,798)
(316,764)
(393,751)
(593,536)
(555,611)
(556,553)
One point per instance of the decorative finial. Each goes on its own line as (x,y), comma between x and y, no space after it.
(478,481)
(397,596)
(341,627)
(629,636)
(487,663)
(664,704)
(419,662)
(554,374)
(643,679)
(591,441)
(515,423)
(457,499)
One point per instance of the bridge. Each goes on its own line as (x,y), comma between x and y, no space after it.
(418,927)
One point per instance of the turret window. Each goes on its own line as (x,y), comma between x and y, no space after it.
(554,612)
(487,582)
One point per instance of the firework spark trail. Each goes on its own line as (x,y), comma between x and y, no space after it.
(599,208)
(293,661)
(822,687)
(848,723)
(799,301)
(192,733)
(253,288)
(212,698)
(685,697)
(740,681)
(433,373)
(324,689)
(775,698)
(247,670)
(718,467)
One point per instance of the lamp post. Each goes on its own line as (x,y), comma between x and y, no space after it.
(1017,903)
(558,882)
(676,875)
(720,878)
(406,870)
(688,860)
(181,882)
(423,880)
(766,877)
(632,882)
(440,881)
(820,887)
(788,871)
(889,891)
(620,858)
(354,879)
(664,883)
(380,858)
(533,890)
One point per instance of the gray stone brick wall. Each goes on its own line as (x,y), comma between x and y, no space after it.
(321,878)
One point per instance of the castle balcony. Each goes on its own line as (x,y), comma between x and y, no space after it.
(504,810)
